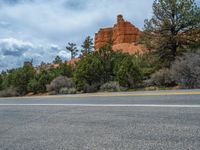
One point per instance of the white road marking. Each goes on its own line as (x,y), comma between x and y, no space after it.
(108,105)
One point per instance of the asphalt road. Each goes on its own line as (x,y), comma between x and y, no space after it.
(163,120)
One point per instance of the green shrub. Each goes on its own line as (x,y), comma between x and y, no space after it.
(129,74)
(65,70)
(149,63)
(41,79)
(109,60)
(20,77)
(162,77)
(91,88)
(58,83)
(89,72)
(34,86)
(111,87)
(186,70)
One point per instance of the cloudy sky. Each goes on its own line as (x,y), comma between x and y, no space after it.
(40,29)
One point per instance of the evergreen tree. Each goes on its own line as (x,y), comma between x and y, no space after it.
(106,55)
(88,71)
(173,28)
(129,73)
(19,78)
(65,69)
(73,49)
(39,82)
(57,60)
(87,46)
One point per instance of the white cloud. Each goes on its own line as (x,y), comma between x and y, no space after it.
(63,54)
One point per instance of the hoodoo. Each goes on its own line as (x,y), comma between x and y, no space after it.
(122,36)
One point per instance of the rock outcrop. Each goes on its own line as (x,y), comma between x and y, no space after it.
(104,36)
(122,36)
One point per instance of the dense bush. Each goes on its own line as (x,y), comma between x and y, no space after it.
(110,61)
(104,66)
(9,92)
(111,87)
(34,86)
(44,76)
(65,70)
(129,74)
(162,77)
(149,63)
(41,79)
(91,88)
(88,73)
(20,78)
(186,70)
(59,83)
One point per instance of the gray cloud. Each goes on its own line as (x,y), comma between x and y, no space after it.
(14,52)
(14,47)
(43,22)
(62,20)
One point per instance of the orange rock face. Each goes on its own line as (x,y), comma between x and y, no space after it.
(122,36)
(104,36)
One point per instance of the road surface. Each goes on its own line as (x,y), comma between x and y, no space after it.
(162,120)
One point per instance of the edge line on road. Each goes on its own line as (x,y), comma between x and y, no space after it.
(108,105)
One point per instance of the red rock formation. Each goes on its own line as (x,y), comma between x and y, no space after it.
(104,36)
(124,32)
(122,36)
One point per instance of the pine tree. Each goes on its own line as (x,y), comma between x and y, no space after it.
(87,46)
(57,60)
(73,49)
(174,27)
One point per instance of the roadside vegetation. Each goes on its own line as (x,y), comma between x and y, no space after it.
(172,37)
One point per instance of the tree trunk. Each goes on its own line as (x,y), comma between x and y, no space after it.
(174,50)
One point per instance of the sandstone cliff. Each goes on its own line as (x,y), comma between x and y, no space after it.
(122,36)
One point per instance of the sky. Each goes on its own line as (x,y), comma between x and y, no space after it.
(39,30)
